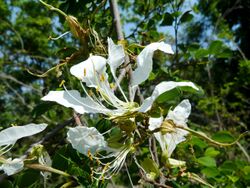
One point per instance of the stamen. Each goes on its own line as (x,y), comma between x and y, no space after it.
(5,149)
(84,72)
(119,86)
(90,155)
(89,95)
(94,108)
(62,82)
(102,78)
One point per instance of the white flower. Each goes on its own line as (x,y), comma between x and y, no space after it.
(173,136)
(92,72)
(86,139)
(11,167)
(9,136)
(100,98)
(114,161)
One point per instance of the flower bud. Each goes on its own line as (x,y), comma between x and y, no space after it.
(75,26)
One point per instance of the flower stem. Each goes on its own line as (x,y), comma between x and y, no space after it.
(205,137)
(47,168)
(50,7)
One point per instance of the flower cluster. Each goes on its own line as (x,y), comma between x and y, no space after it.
(8,137)
(98,97)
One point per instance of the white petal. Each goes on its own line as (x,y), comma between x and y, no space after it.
(145,62)
(12,166)
(181,112)
(85,139)
(161,139)
(116,55)
(73,99)
(90,70)
(162,88)
(173,139)
(10,135)
(155,123)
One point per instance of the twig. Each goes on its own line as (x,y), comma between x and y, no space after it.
(21,98)
(9,77)
(116,19)
(244,151)
(205,137)
(16,32)
(77,119)
(120,36)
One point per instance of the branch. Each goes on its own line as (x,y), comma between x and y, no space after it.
(120,36)
(22,99)
(9,77)
(117,19)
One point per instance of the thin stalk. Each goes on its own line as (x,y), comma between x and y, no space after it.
(50,7)
(47,169)
(120,37)
(205,137)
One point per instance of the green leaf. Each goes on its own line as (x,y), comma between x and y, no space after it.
(228,167)
(150,166)
(210,172)
(201,53)
(152,76)
(176,14)
(215,47)
(233,178)
(186,17)
(223,136)
(207,161)
(167,20)
(168,96)
(42,108)
(25,180)
(198,142)
(246,170)
(211,152)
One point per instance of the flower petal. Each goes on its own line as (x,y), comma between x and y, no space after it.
(181,112)
(12,166)
(155,123)
(90,70)
(145,62)
(162,88)
(173,139)
(73,99)
(85,139)
(10,135)
(116,55)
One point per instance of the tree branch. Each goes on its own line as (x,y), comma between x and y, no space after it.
(120,37)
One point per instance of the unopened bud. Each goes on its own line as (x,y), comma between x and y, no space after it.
(75,26)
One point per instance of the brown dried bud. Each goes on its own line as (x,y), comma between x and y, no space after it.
(75,26)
